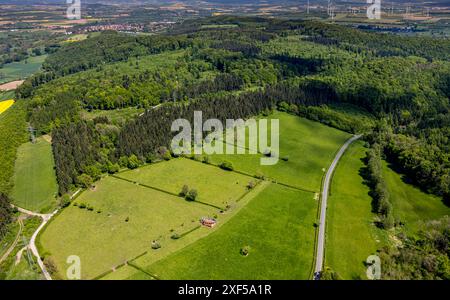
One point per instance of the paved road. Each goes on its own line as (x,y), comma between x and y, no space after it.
(45,218)
(33,247)
(323,206)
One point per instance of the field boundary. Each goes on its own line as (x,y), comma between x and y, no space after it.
(273,180)
(164,191)
(133,265)
(198,227)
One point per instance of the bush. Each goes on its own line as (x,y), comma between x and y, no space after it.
(206,159)
(285,158)
(184,191)
(50,265)
(113,168)
(245,250)
(251,185)
(167,156)
(82,205)
(175,236)
(226,165)
(260,175)
(94,171)
(150,158)
(164,153)
(133,162)
(123,161)
(85,181)
(192,195)
(65,200)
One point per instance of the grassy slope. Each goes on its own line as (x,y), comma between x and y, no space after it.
(35,185)
(7,95)
(175,245)
(410,204)
(99,238)
(115,116)
(12,135)
(351,235)
(278,227)
(21,70)
(310,146)
(25,270)
(172,175)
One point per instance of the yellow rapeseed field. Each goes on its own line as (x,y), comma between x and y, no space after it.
(4,105)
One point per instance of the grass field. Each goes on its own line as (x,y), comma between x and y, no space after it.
(209,181)
(115,116)
(138,206)
(35,185)
(277,225)
(4,105)
(6,95)
(410,204)
(309,145)
(99,238)
(351,234)
(21,69)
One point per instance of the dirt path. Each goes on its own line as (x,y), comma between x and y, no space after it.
(14,244)
(32,245)
(9,86)
(19,255)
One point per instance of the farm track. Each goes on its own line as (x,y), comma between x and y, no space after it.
(45,218)
(164,191)
(16,240)
(323,206)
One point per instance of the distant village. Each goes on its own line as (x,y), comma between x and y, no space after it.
(127,28)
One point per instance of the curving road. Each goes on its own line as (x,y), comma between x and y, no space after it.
(45,218)
(323,207)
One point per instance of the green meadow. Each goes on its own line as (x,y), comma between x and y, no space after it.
(7,95)
(112,226)
(21,69)
(214,186)
(351,234)
(309,146)
(410,205)
(278,228)
(124,220)
(35,186)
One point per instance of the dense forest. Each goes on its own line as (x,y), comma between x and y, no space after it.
(5,214)
(239,72)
